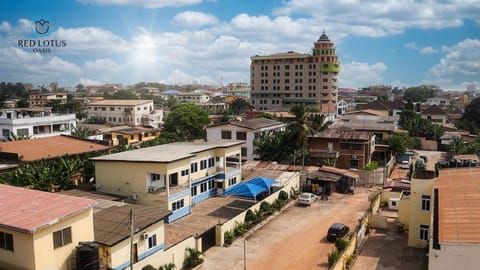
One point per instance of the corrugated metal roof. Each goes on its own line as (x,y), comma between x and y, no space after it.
(28,210)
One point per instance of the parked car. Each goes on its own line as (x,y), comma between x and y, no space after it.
(337,230)
(307,198)
(405,164)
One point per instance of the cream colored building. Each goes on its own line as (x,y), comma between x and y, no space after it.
(283,79)
(132,112)
(455,234)
(40,230)
(174,176)
(196,96)
(43,99)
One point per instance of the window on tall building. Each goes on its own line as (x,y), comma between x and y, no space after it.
(426,202)
(287,67)
(424,232)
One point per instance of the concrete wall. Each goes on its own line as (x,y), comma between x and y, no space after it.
(454,256)
(419,187)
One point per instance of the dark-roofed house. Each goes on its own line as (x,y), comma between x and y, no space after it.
(40,230)
(344,147)
(390,108)
(435,114)
(247,131)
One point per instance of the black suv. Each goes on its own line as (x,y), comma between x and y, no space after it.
(337,230)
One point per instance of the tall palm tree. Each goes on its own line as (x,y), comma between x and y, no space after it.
(299,130)
(456,146)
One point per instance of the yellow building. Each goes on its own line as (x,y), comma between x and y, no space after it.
(131,136)
(43,99)
(174,176)
(40,230)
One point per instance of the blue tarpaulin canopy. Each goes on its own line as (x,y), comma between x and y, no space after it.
(264,182)
(246,190)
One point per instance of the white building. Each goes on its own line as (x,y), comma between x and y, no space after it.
(197,97)
(35,123)
(132,112)
(247,131)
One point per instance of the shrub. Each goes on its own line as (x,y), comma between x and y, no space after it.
(349,260)
(167,266)
(384,204)
(228,235)
(333,257)
(250,217)
(148,267)
(193,258)
(277,204)
(341,244)
(239,229)
(283,196)
(266,208)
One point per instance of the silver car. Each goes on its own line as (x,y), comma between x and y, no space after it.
(307,198)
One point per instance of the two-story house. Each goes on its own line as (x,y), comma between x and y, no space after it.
(246,131)
(34,123)
(40,230)
(435,114)
(132,112)
(174,176)
(43,99)
(344,147)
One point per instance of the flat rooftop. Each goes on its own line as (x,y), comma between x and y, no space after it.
(50,147)
(119,102)
(27,210)
(459,205)
(167,152)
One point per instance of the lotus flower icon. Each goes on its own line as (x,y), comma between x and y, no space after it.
(42,26)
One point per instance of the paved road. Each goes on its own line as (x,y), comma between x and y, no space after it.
(295,239)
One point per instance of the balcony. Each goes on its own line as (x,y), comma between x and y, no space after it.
(156,190)
(317,153)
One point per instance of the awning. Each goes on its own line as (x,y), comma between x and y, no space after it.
(246,190)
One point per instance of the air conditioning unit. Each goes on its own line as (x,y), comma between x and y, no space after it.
(145,236)
(354,156)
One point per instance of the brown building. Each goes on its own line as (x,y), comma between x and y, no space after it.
(283,79)
(342,147)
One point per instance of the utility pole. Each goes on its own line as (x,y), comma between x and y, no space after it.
(131,238)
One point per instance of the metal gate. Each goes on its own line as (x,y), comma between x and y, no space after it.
(208,239)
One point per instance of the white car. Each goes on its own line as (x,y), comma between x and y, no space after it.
(405,165)
(307,198)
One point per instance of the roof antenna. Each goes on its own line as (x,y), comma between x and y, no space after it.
(324,30)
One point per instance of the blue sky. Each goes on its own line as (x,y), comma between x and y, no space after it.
(399,43)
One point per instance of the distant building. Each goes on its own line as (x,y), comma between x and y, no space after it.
(131,112)
(197,97)
(34,123)
(40,230)
(238,90)
(283,79)
(389,108)
(43,99)
(246,131)
(439,101)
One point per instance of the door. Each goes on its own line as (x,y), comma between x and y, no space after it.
(135,253)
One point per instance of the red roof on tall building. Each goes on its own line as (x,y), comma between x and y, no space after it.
(28,210)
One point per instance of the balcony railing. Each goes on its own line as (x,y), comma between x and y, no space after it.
(323,153)
(156,190)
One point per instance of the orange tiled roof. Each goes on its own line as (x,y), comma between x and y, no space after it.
(459,205)
(50,147)
(28,210)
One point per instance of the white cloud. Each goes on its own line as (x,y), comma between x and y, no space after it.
(102,65)
(356,74)
(144,3)
(5,27)
(194,19)
(93,39)
(87,82)
(428,50)
(411,45)
(382,18)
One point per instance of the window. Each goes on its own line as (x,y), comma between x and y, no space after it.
(241,136)
(203,187)
(177,205)
(356,146)
(194,167)
(185,172)
(22,132)
(194,191)
(152,241)
(244,151)
(226,135)
(232,181)
(210,184)
(354,163)
(62,237)
(155,177)
(211,162)
(424,232)
(6,241)
(203,164)
(426,202)
(5,132)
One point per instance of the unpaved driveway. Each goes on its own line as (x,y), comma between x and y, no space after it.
(295,239)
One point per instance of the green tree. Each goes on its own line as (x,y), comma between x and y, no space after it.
(186,122)
(121,94)
(456,146)
(399,142)
(471,117)
(275,147)
(23,103)
(319,122)
(81,132)
(239,106)
(418,93)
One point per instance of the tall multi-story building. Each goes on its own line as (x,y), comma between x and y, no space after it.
(283,79)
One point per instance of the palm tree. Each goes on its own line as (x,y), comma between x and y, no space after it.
(81,132)
(456,146)
(300,129)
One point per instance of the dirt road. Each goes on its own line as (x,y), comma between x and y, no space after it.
(295,239)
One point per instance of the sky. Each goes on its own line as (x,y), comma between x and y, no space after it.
(399,43)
